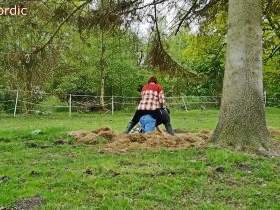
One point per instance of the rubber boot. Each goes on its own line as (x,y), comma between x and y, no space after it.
(169,129)
(129,127)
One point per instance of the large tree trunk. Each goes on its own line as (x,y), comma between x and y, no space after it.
(242,117)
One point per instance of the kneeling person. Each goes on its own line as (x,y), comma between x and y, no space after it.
(152,103)
(152,99)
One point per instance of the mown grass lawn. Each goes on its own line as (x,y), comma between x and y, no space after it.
(81,177)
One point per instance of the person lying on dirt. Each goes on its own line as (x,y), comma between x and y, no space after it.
(152,102)
(147,123)
(163,118)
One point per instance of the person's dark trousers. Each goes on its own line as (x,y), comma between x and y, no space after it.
(165,119)
(138,114)
(169,128)
(129,127)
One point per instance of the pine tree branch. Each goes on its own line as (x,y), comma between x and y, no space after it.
(37,50)
(186,16)
(196,12)
(156,23)
(145,6)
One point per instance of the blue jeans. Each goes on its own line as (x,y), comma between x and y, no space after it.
(148,123)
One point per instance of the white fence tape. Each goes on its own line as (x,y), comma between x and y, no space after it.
(16,100)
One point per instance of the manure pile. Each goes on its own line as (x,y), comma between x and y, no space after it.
(115,142)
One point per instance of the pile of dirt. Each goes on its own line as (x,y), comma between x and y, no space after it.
(127,142)
(92,137)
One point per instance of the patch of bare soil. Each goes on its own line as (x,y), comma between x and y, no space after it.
(275,144)
(28,203)
(128,142)
(274,133)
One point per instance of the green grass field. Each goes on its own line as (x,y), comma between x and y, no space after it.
(81,177)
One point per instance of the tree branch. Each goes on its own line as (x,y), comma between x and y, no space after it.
(37,50)
(274,51)
(185,16)
(197,12)
(144,6)
(156,22)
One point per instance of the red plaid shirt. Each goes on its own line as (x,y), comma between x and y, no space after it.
(152,97)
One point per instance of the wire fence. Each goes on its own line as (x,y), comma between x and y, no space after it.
(18,102)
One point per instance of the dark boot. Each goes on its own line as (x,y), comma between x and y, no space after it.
(168,128)
(129,127)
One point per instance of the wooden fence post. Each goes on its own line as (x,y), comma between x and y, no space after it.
(15,109)
(113,105)
(186,108)
(70,105)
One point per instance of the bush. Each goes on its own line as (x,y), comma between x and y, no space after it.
(7,101)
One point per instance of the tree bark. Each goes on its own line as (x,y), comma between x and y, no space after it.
(242,121)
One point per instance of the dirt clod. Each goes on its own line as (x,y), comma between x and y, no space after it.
(113,173)
(244,167)
(59,142)
(35,145)
(31,145)
(220,169)
(4,179)
(89,171)
(34,173)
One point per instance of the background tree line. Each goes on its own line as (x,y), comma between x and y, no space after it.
(95,51)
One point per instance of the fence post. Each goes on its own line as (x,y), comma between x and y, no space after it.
(15,109)
(186,108)
(113,105)
(70,105)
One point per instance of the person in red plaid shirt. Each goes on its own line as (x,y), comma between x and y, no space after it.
(152,96)
(152,102)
